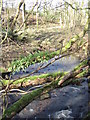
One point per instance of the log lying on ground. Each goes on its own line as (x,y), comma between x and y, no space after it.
(72,74)
(27,98)
(32,80)
(44,66)
(83,70)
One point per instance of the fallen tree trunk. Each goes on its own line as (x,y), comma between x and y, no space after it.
(27,98)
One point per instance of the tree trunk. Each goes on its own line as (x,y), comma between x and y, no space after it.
(17,14)
(23,15)
(37,15)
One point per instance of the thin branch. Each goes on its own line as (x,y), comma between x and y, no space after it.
(74,7)
(28,16)
(55,59)
(19,46)
(4,38)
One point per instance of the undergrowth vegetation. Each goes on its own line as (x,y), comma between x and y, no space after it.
(37,57)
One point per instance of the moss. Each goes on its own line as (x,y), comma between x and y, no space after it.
(83,73)
(83,63)
(5,82)
(87,117)
(70,42)
(21,103)
(2,70)
(68,45)
(64,49)
(26,99)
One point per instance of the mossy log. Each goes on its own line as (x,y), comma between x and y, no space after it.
(27,98)
(79,73)
(32,80)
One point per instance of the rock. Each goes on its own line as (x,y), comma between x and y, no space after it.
(31,110)
(45,96)
(63,114)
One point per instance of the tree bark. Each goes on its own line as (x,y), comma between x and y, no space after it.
(17,14)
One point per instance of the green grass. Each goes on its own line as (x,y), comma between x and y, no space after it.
(24,62)
(2,70)
(41,56)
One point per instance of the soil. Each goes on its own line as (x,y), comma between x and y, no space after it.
(41,39)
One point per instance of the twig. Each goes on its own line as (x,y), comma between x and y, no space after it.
(4,38)
(19,46)
(77,7)
(12,90)
(42,67)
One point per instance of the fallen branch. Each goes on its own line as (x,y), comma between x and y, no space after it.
(4,38)
(71,74)
(19,46)
(28,98)
(24,101)
(55,59)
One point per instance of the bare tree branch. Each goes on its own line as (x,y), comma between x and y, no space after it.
(74,7)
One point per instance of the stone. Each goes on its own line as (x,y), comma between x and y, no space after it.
(45,96)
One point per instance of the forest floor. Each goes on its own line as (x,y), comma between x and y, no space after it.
(47,37)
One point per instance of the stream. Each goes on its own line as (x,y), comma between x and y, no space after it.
(63,64)
(62,103)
